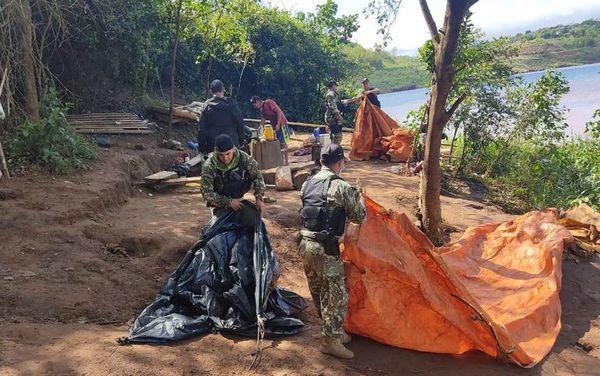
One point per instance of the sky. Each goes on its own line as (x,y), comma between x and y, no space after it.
(495,17)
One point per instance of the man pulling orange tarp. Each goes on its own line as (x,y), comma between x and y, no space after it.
(376,134)
(495,290)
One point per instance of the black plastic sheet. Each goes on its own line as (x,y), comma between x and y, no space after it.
(223,283)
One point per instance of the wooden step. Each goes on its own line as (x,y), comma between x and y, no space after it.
(116,131)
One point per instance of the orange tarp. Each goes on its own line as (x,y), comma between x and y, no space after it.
(584,224)
(495,290)
(376,134)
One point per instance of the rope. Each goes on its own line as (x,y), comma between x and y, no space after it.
(260,336)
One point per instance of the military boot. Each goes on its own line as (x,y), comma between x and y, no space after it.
(346,338)
(333,346)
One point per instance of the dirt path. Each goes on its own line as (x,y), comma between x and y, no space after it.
(65,299)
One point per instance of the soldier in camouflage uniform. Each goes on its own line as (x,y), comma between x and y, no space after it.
(333,116)
(327,201)
(227,175)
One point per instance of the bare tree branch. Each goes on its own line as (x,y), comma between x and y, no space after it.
(462,67)
(455,105)
(435,36)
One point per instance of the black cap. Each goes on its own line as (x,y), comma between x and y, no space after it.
(332,153)
(364,80)
(330,83)
(223,143)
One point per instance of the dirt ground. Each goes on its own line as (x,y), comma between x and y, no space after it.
(65,299)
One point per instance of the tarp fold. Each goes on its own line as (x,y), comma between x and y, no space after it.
(224,282)
(376,134)
(495,290)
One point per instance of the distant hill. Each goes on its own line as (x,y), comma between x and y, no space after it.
(386,71)
(562,45)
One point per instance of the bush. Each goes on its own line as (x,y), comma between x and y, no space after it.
(50,142)
(561,175)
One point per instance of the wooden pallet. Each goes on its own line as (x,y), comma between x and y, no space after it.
(109,123)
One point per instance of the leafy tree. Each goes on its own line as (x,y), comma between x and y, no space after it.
(340,29)
(445,46)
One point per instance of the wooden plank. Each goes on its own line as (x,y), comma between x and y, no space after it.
(163,176)
(294,166)
(160,176)
(177,112)
(107,122)
(110,122)
(110,128)
(102,113)
(181,181)
(102,116)
(102,131)
(100,126)
(194,161)
(95,117)
(298,124)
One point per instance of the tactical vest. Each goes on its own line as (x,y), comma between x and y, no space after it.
(327,224)
(233,183)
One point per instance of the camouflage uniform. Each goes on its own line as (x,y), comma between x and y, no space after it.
(333,117)
(325,273)
(214,166)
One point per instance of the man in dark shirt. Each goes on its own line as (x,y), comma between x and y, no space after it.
(220,115)
(371,93)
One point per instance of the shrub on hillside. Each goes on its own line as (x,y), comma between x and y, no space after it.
(50,142)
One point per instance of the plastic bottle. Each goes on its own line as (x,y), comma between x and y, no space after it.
(269,134)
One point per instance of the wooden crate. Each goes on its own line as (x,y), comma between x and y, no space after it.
(267,154)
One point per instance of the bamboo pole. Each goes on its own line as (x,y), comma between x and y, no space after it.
(298,124)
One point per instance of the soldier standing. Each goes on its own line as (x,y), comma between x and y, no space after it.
(327,202)
(333,116)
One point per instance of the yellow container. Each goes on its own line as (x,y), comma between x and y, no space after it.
(269,134)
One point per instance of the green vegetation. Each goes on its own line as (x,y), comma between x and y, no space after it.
(51,142)
(386,71)
(562,45)
(108,55)
(509,135)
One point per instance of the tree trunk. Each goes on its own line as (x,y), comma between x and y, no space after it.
(32,105)
(173,61)
(445,44)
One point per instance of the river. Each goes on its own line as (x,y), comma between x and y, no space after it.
(581,101)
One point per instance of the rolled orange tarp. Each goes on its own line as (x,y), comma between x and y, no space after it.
(495,290)
(376,134)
